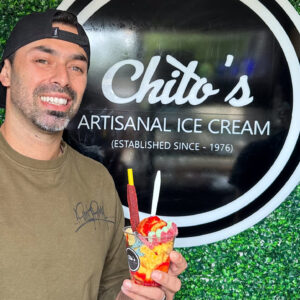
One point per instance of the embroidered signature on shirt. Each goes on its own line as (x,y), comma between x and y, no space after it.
(92,213)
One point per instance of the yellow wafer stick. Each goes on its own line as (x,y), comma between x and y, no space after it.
(130,177)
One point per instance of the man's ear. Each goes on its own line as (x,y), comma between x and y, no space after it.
(5,73)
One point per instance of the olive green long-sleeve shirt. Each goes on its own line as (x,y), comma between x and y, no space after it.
(60,228)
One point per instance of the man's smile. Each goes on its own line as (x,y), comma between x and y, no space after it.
(54,100)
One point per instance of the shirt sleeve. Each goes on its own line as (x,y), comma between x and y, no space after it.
(116,265)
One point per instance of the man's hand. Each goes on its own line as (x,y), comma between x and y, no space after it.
(170,283)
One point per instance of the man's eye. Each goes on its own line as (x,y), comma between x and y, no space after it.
(77,69)
(41,61)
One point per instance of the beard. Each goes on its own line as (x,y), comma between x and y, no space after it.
(55,121)
(47,120)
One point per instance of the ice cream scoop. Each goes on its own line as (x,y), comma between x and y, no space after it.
(154,231)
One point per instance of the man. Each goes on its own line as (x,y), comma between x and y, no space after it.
(60,217)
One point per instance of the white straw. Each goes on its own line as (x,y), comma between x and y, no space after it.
(157,183)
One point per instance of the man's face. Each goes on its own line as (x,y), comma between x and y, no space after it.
(48,79)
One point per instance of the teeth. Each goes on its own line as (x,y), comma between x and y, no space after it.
(54,100)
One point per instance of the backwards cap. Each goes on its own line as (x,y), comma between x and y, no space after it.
(38,26)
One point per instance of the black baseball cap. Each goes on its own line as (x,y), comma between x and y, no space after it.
(38,26)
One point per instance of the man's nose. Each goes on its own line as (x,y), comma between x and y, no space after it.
(61,75)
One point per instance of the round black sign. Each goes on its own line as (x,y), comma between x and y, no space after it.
(206,92)
(133,260)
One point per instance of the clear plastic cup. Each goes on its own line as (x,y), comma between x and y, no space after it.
(146,255)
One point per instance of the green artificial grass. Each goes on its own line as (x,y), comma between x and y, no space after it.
(259,263)
(296,4)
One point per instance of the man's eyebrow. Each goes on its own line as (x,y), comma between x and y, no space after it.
(79,57)
(49,50)
(45,49)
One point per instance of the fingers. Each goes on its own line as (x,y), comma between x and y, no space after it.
(178,263)
(139,292)
(170,284)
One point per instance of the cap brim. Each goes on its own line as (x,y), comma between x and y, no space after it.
(2,89)
(2,96)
